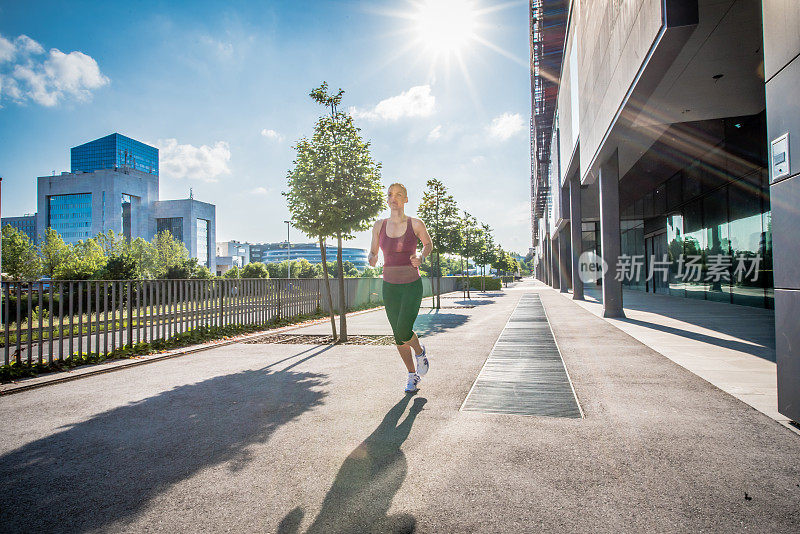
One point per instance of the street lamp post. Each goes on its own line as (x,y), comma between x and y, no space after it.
(288,248)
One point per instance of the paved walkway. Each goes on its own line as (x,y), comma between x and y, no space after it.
(302,438)
(730,346)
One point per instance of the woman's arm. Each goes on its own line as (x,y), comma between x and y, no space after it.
(373,249)
(427,245)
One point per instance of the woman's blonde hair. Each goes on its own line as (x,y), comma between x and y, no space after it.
(401,186)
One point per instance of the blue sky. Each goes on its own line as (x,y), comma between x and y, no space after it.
(221,89)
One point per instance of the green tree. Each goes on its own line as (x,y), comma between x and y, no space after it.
(185,270)
(85,260)
(369,272)
(20,260)
(255,270)
(305,269)
(53,252)
(233,272)
(145,256)
(168,252)
(334,187)
(439,212)
(470,241)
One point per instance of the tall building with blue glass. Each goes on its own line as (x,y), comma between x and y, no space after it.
(114,151)
(114,186)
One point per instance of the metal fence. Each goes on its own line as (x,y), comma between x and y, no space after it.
(47,321)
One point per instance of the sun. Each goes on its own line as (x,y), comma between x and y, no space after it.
(445,27)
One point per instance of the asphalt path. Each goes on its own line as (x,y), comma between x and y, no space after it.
(306,438)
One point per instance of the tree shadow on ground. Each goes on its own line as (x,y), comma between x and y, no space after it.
(368,480)
(473,302)
(105,469)
(431,322)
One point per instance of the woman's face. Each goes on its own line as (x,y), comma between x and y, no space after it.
(396,198)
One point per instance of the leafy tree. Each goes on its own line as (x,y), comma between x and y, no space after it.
(53,252)
(233,272)
(145,256)
(255,270)
(85,260)
(469,241)
(305,269)
(439,212)
(185,270)
(20,260)
(334,187)
(369,272)
(168,253)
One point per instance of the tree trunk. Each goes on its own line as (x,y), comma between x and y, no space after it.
(438,280)
(468,295)
(327,285)
(342,303)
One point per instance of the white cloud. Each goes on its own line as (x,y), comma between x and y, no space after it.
(26,45)
(435,134)
(272,135)
(49,79)
(259,191)
(7,49)
(416,102)
(506,126)
(203,162)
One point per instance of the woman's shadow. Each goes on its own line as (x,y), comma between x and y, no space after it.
(368,480)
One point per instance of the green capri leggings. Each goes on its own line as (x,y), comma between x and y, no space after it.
(402,306)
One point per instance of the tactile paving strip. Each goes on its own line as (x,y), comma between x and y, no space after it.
(524,374)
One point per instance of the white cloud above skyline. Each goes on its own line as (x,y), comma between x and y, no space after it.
(272,135)
(27,72)
(416,102)
(436,133)
(259,191)
(204,163)
(506,126)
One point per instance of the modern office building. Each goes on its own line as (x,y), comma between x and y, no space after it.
(114,151)
(124,198)
(25,224)
(665,138)
(232,254)
(276,253)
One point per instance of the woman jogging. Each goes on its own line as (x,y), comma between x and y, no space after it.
(402,286)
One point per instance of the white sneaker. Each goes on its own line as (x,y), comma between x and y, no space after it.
(422,362)
(413,382)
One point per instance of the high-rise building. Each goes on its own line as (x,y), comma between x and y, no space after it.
(99,196)
(668,133)
(114,151)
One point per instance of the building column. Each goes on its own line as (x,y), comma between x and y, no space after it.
(609,236)
(782,74)
(554,271)
(575,232)
(564,257)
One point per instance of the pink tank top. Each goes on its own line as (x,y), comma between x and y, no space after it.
(397,252)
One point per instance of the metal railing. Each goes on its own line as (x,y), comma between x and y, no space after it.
(47,321)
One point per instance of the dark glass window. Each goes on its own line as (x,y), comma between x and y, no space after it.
(173,225)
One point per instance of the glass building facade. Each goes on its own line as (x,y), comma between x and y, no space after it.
(70,216)
(114,151)
(276,253)
(127,212)
(173,225)
(25,224)
(202,242)
(711,222)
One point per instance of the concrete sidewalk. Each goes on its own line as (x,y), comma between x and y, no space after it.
(290,438)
